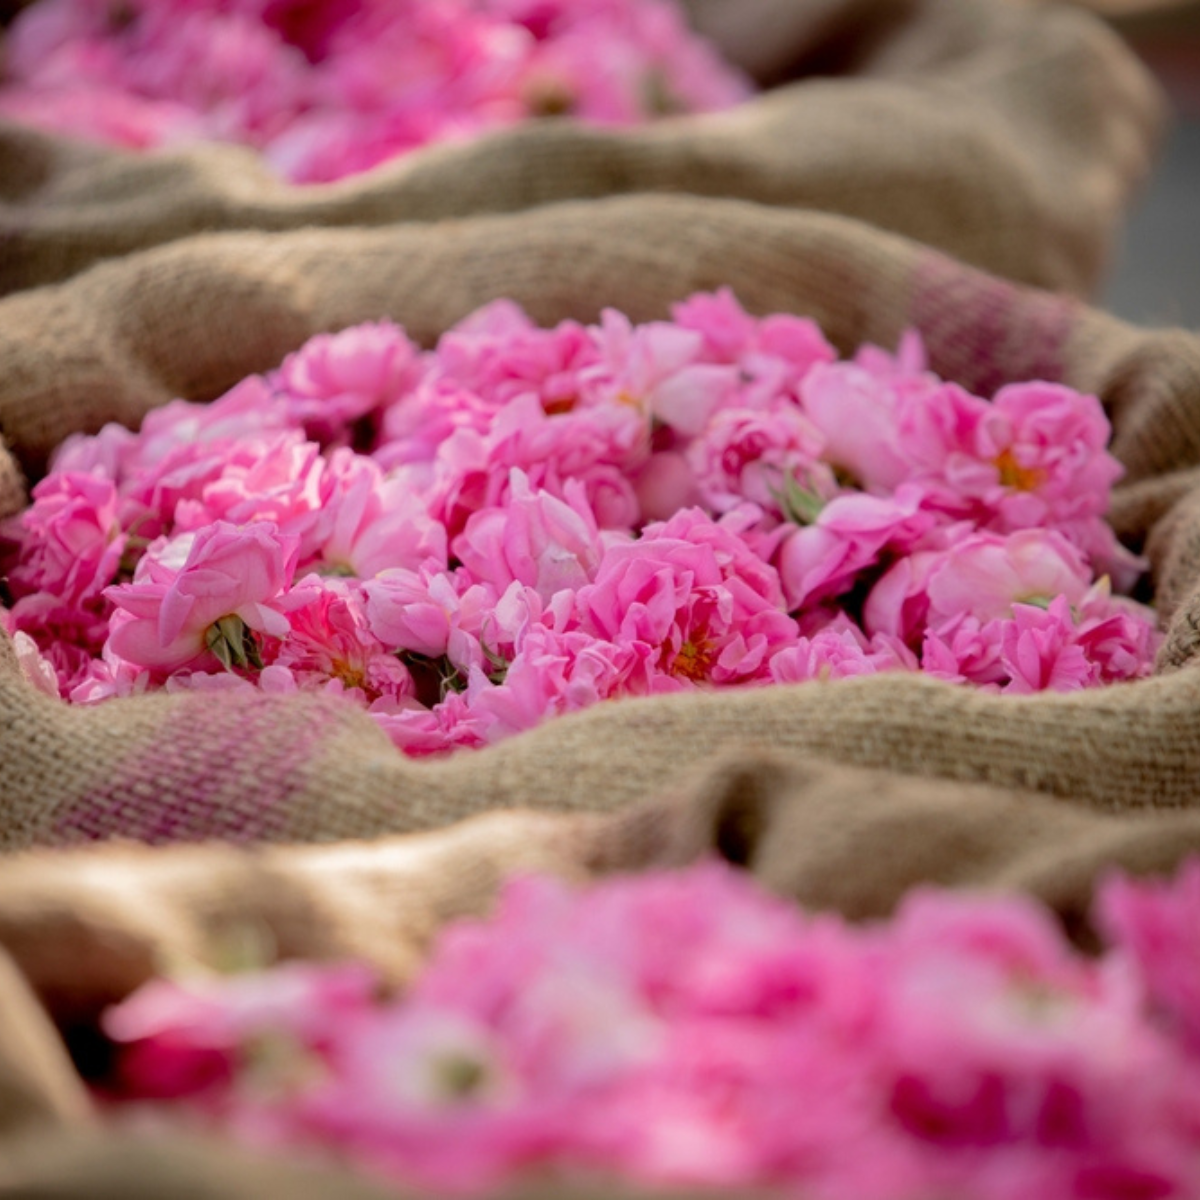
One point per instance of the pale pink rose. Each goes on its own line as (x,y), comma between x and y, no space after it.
(831,654)
(69,542)
(412,610)
(851,534)
(753,455)
(857,416)
(417,427)
(283,483)
(369,523)
(36,670)
(985,575)
(337,379)
(245,411)
(165,615)
(430,613)
(105,679)
(535,539)
(657,369)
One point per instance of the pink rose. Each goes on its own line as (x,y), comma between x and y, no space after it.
(1041,650)
(985,575)
(695,596)
(167,613)
(337,379)
(657,369)
(534,538)
(850,534)
(369,523)
(857,416)
(753,455)
(69,541)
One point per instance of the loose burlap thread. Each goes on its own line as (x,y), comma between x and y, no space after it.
(1008,136)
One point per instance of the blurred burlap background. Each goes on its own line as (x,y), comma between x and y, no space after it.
(1008,138)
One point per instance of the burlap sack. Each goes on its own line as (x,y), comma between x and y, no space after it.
(192,317)
(1007,135)
(89,925)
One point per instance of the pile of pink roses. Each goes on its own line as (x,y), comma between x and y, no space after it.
(326,88)
(524,522)
(687,1030)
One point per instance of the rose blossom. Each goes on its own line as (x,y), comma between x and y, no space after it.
(524,522)
(167,613)
(695,596)
(687,1029)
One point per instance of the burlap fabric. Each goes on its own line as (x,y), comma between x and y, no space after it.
(1008,136)
(87,926)
(193,317)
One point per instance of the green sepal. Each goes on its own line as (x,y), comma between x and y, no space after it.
(233,644)
(800,505)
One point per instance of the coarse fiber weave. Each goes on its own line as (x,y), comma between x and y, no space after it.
(86,926)
(195,316)
(1010,137)
(1006,135)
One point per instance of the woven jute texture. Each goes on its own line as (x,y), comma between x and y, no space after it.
(193,317)
(86,926)
(1006,135)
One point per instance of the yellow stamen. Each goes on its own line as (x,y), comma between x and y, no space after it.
(1013,475)
(693,661)
(351,676)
